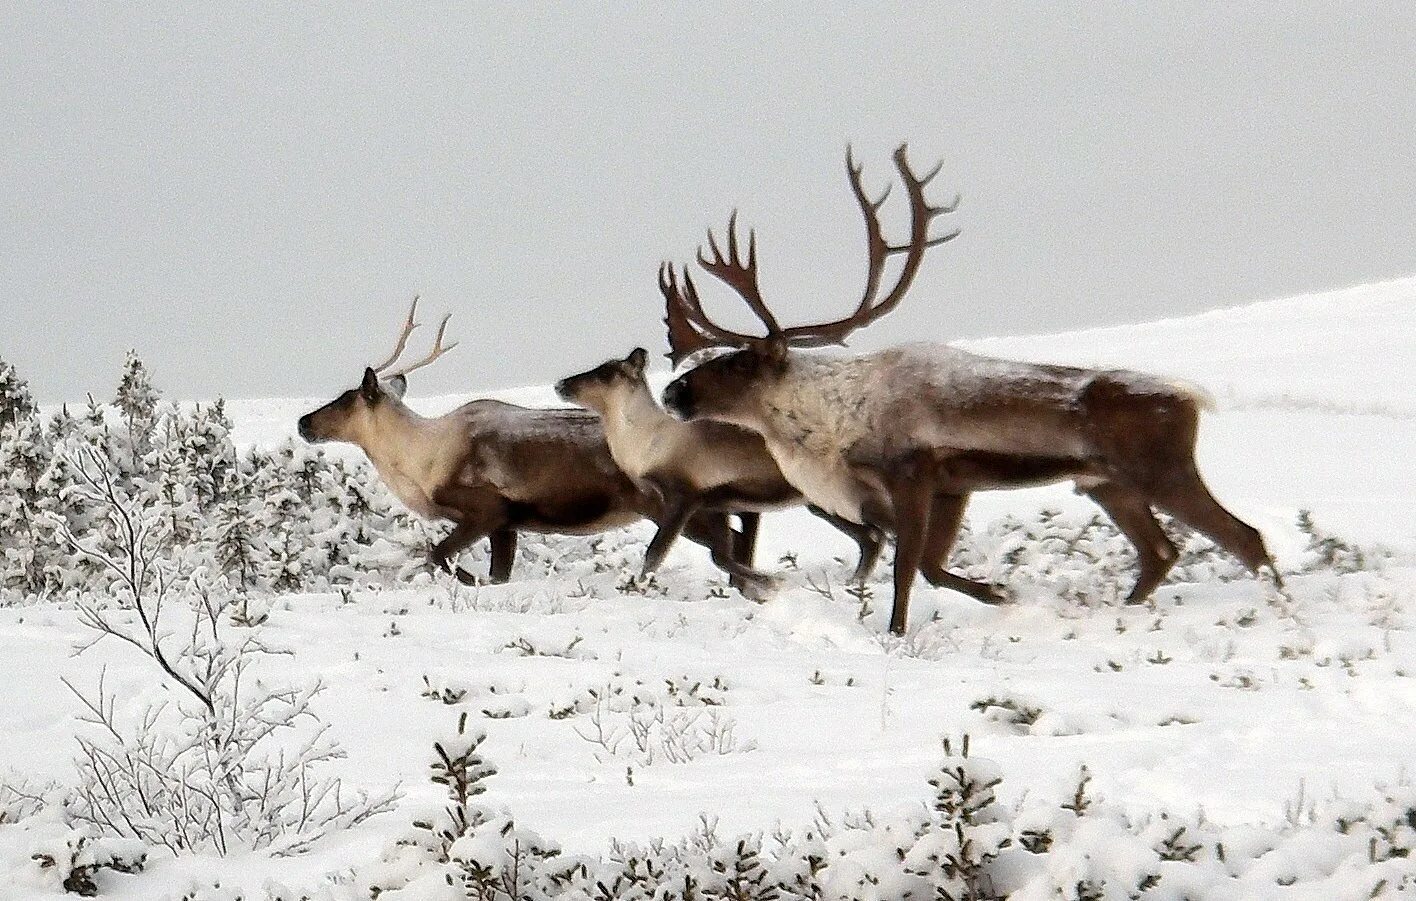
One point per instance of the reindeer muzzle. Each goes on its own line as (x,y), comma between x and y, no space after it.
(678,399)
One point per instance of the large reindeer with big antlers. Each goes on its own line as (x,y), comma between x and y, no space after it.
(899,438)
(491,468)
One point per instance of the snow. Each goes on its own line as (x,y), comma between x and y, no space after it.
(1225,698)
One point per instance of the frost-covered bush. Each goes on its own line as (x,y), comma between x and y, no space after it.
(272,520)
(965,845)
(646,724)
(1325,552)
(1081,558)
(233,762)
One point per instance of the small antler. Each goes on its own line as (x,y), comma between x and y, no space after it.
(437,351)
(408,326)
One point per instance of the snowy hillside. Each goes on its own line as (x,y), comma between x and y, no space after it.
(1352,350)
(1228,741)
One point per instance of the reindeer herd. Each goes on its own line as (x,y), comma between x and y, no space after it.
(885,443)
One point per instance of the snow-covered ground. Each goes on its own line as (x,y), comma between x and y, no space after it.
(1223,697)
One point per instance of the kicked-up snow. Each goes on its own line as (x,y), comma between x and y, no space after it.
(1229,740)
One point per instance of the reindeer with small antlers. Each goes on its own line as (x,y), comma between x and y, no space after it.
(899,438)
(491,468)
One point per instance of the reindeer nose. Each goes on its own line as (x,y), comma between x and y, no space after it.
(678,399)
(303,427)
(561,389)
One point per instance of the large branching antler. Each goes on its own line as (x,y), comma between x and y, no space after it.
(408,326)
(690,328)
(740,276)
(878,250)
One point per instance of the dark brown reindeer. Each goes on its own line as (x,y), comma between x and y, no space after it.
(693,466)
(491,468)
(899,438)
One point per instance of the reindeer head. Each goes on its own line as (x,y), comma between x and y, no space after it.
(593,389)
(727,385)
(354,414)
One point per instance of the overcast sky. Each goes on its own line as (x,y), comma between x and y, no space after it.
(250,194)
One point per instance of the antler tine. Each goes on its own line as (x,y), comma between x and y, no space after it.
(690,329)
(685,335)
(740,276)
(437,351)
(922,213)
(408,326)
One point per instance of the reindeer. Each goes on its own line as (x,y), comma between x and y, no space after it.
(899,438)
(692,466)
(491,468)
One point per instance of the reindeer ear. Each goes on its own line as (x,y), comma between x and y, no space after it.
(398,386)
(370,386)
(637,359)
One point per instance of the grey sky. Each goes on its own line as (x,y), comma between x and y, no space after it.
(250,194)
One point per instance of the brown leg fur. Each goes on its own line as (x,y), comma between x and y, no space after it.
(911,492)
(745,544)
(946,515)
(463,534)
(1147,442)
(868,539)
(1189,500)
(503,542)
(1132,515)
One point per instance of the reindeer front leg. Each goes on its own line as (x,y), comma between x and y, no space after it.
(911,487)
(463,535)
(946,515)
(503,542)
(477,514)
(710,529)
(868,538)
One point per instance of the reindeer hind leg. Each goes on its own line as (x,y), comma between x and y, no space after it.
(1154,551)
(869,540)
(1189,500)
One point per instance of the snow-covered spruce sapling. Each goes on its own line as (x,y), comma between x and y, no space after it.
(471,847)
(460,768)
(967,831)
(27,505)
(1008,711)
(1325,552)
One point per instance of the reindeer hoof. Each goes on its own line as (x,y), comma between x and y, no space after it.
(759,589)
(465,577)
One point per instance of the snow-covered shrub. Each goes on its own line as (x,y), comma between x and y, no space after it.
(273,520)
(1325,552)
(1081,558)
(234,762)
(20,800)
(964,845)
(466,849)
(646,724)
